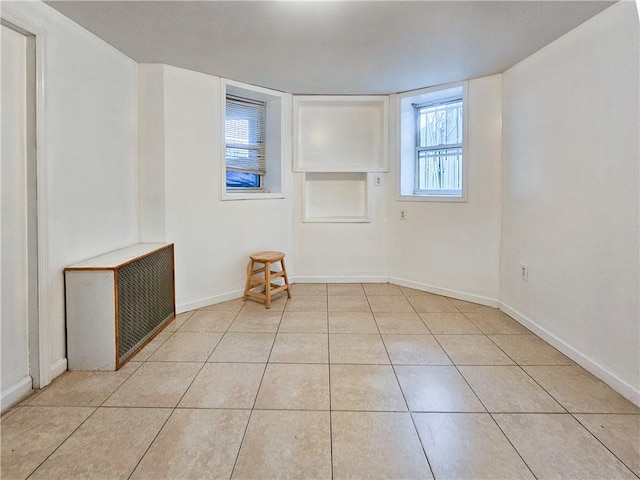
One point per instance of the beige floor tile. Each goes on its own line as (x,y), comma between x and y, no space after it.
(208,321)
(530,350)
(579,391)
(357,348)
(285,444)
(151,347)
(303,322)
(348,304)
(376,445)
(195,444)
(31,434)
(75,389)
(468,446)
(415,350)
(389,304)
(381,289)
(107,446)
(155,384)
(308,303)
(496,323)
(472,350)
(436,389)
(228,306)
(400,323)
(294,387)
(243,347)
(224,385)
(432,304)
(278,303)
(449,323)
(509,389)
(345,289)
(256,321)
(465,307)
(620,434)
(365,387)
(178,321)
(308,289)
(300,348)
(557,446)
(352,322)
(187,347)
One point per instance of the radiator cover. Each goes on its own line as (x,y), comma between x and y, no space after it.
(116,303)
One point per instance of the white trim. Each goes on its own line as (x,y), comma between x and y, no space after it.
(44,354)
(623,388)
(205,302)
(345,279)
(447,292)
(58,368)
(15,393)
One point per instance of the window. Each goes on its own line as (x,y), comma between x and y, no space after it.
(256,125)
(432,144)
(245,146)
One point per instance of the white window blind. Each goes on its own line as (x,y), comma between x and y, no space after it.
(245,135)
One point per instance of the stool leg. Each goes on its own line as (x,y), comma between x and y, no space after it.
(248,281)
(267,284)
(286,278)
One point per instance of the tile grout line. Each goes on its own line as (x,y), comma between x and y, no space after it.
(329,378)
(174,408)
(246,428)
(478,397)
(395,374)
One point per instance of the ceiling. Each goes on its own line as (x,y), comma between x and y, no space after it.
(332,47)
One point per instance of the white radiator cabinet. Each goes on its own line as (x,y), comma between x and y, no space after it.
(116,303)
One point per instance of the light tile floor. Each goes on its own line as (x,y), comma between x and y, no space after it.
(341,381)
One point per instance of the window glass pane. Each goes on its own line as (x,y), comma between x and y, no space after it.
(245,141)
(242,180)
(440,124)
(440,170)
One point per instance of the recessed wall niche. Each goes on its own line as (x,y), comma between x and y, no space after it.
(335,197)
(340,134)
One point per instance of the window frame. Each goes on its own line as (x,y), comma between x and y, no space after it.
(278,141)
(408,132)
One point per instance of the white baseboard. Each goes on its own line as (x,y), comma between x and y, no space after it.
(604,374)
(468,297)
(205,302)
(345,279)
(15,393)
(58,368)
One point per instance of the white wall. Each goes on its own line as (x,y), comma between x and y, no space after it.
(571,121)
(213,237)
(453,248)
(342,252)
(90,152)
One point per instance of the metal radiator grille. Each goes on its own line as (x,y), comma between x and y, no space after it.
(145,299)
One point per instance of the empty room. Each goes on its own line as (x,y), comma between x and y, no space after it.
(320,239)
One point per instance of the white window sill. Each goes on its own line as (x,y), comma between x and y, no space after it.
(251,196)
(431,198)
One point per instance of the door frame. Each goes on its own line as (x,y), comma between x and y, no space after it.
(40,368)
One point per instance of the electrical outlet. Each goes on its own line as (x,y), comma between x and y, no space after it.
(403,215)
(524,272)
(377,180)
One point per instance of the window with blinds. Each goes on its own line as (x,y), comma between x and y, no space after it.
(245,142)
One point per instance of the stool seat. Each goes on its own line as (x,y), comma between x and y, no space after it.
(268,256)
(264,276)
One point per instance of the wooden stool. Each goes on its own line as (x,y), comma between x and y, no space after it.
(254,279)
